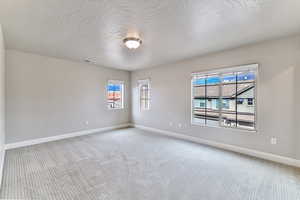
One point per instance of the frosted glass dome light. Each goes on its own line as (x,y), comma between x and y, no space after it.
(132,42)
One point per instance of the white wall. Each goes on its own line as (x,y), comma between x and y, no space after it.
(278,88)
(48,96)
(297,102)
(2,100)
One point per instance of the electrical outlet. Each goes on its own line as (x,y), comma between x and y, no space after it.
(179,125)
(86,122)
(273,140)
(170,123)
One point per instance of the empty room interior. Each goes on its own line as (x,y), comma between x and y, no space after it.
(150,99)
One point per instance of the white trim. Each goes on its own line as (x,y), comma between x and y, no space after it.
(144,81)
(229,147)
(2,165)
(63,136)
(114,81)
(244,67)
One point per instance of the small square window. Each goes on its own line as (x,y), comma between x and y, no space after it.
(240,101)
(250,101)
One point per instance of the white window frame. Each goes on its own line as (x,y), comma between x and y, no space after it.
(140,84)
(242,68)
(116,82)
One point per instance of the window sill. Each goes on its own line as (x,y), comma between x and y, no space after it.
(115,108)
(224,127)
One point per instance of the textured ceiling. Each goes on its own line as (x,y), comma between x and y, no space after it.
(171,30)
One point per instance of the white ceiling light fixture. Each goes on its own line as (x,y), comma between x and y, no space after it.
(132,42)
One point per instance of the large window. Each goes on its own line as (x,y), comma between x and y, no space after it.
(115,94)
(225,98)
(144,94)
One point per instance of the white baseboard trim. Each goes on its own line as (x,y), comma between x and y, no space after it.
(242,150)
(63,136)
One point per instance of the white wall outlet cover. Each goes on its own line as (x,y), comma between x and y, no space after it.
(273,140)
(179,125)
(170,123)
(86,122)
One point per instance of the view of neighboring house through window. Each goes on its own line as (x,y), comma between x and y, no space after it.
(144,94)
(225,97)
(115,94)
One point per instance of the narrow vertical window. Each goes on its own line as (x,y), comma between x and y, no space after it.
(144,94)
(115,94)
(225,97)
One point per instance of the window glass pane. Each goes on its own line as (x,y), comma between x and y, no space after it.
(229,78)
(212,92)
(228,119)
(213,80)
(228,85)
(114,96)
(143,103)
(228,103)
(199,91)
(245,90)
(199,103)
(246,110)
(147,104)
(144,87)
(144,91)
(199,111)
(246,120)
(198,81)
(228,112)
(248,76)
(212,117)
(212,97)
(212,103)
(228,91)
(246,95)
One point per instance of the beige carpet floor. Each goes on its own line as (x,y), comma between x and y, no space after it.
(131,164)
